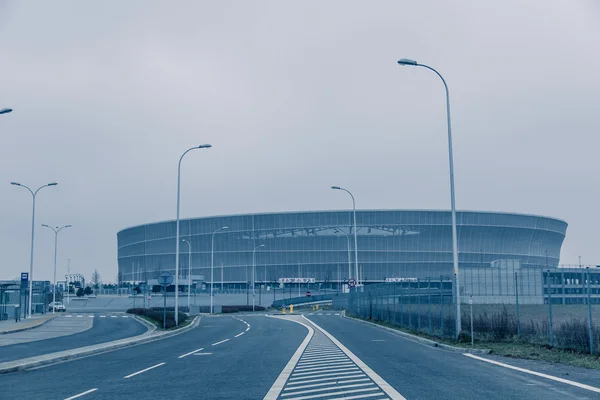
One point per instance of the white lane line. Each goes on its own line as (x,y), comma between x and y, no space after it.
(314,396)
(202,354)
(247,329)
(322,359)
(190,353)
(68,316)
(328,388)
(222,341)
(144,370)
(337,313)
(103,316)
(527,371)
(300,366)
(331,370)
(90,316)
(124,316)
(332,378)
(81,394)
(377,340)
(332,374)
(80,316)
(277,387)
(113,316)
(326,366)
(239,334)
(322,384)
(360,396)
(387,388)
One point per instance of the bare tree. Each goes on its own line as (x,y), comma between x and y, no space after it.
(96,279)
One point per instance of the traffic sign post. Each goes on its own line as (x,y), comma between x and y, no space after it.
(351,282)
(165,279)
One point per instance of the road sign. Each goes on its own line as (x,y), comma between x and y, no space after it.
(24,276)
(351,282)
(165,279)
(307,294)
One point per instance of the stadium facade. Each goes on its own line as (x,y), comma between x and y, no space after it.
(391,244)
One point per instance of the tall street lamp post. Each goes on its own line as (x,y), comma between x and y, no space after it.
(33,194)
(253,272)
(189,272)
(408,62)
(349,261)
(355,239)
(212,266)
(202,146)
(56,230)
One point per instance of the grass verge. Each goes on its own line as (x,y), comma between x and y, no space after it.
(159,325)
(513,349)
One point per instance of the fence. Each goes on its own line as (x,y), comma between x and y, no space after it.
(428,305)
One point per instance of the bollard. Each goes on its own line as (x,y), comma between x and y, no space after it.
(517,305)
(291,308)
(317,307)
(283,310)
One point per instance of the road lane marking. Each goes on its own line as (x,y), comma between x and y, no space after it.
(329,374)
(68,316)
(326,366)
(331,378)
(90,316)
(331,371)
(222,341)
(323,389)
(144,370)
(386,387)
(190,353)
(324,383)
(360,396)
(377,340)
(113,316)
(277,387)
(202,354)
(322,363)
(527,371)
(103,316)
(314,396)
(247,329)
(124,316)
(81,394)
(80,316)
(239,334)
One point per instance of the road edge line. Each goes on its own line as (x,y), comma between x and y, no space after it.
(540,374)
(281,380)
(86,351)
(387,388)
(29,327)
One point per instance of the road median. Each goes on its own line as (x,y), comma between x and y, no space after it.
(151,335)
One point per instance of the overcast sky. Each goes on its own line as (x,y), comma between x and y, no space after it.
(294,97)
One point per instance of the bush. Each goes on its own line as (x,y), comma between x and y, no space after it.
(234,309)
(158,315)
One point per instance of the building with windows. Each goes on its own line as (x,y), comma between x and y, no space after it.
(320,245)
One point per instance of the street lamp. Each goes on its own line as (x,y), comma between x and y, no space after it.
(355,229)
(407,62)
(189,272)
(253,270)
(349,262)
(212,265)
(202,146)
(56,230)
(5,110)
(33,194)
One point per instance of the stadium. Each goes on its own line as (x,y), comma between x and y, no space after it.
(401,244)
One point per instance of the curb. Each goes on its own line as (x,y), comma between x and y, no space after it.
(427,342)
(151,327)
(18,365)
(29,327)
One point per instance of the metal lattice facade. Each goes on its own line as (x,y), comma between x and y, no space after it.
(391,243)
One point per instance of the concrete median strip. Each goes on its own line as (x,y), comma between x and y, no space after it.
(46,359)
(418,339)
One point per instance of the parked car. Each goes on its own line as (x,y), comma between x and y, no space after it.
(58,307)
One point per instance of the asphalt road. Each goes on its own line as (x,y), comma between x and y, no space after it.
(104,329)
(243,367)
(422,372)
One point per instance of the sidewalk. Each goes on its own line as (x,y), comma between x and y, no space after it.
(10,326)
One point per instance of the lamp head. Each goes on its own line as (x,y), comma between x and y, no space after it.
(5,110)
(15,183)
(407,61)
(52,184)
(336,187)
(205,146)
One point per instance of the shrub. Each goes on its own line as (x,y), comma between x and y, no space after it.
(234,309)
(158,315)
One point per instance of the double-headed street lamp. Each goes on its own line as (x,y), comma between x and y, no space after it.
(33,194)
(253,271)
(408,62)
(212,266)
(56,230)
(202,146)
(355,229)
(189,271)
(5,110)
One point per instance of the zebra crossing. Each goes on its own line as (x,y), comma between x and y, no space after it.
(323,313)
(324,371)
(92,316)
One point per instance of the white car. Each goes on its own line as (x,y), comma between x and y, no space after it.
(58,307)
